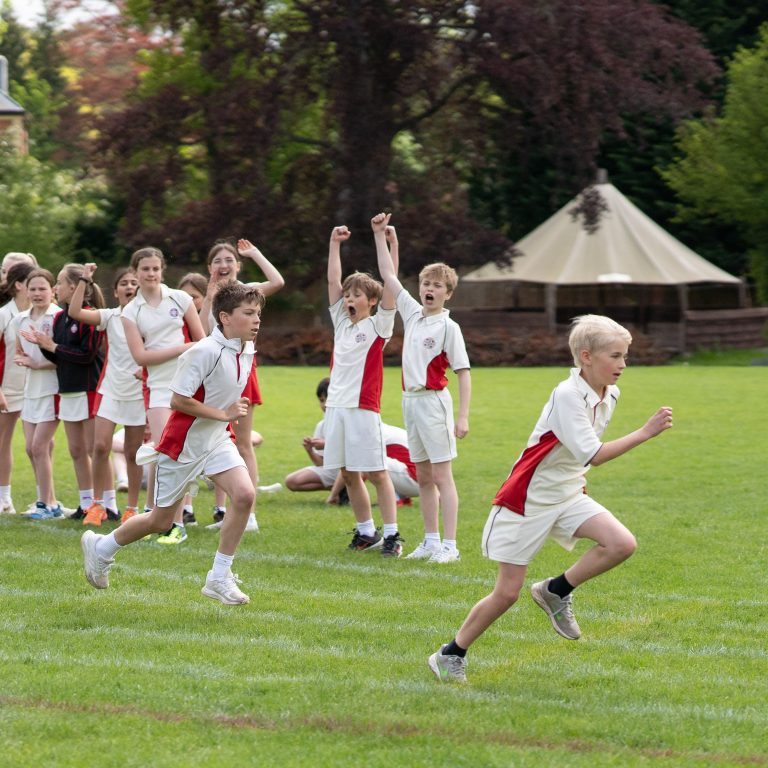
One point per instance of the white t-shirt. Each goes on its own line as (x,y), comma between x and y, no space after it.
(552,468)
(117,379)
(214,372)
(45,382)
(12,377)
(161,327)
(357,368)
(431,344)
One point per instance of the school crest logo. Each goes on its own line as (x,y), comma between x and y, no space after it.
(73,328)
(173,312)
(360,338)
(430,343)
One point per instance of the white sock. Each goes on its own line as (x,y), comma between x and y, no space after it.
(86,498)
(110,499)
(106,546)
(37,491)
(432,541)
(222,564)
(187,508)
(449,543)
(5,492)
(252,517)
(367,528)
(390,529)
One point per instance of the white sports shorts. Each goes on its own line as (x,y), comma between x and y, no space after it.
(172,479)
(129,413)
(515,539)
(160,397)
(36,410)
(353,440)
(429,423)
(14,400)
(325,475)
(75,406)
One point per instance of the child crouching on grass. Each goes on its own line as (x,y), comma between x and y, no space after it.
(545,494)
(206,398)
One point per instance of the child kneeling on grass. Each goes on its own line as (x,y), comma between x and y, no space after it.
(545,494)
(206,398)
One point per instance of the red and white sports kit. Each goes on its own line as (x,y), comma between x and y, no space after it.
(545,494)
(432,344)
(122,401)
(161,327)
(12,377)
(41,391)
(399,465)
(352,422)
(213,372)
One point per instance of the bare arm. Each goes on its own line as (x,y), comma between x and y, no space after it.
(388,259)
(274,279)
(658,423)
(76,311)
(338,236)
(146,357)
(199,410)
(465,394)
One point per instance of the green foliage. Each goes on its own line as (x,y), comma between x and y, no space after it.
(327,665)
(722,173)
(43,209)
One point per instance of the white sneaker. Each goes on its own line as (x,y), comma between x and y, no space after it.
(96,568)
(445,555)
(121,486)
(225,590)
(251,525)
(422,552)
(7,508)
(274,488)
(214,526)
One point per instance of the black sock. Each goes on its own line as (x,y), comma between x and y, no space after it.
(454,650)
(559,586)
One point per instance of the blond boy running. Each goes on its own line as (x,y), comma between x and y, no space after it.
(545,494)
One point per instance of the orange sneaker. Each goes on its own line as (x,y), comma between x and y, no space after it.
(95,514)
(128,513)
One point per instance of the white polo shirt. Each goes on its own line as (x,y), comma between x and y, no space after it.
(45,382)
(12,376)
(357,367)
(117,379)
(432,343)
(214,372)
(161,327)
(552,468)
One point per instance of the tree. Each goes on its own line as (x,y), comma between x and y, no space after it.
(721,172)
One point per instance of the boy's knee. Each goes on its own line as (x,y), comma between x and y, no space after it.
(290,483)
(626,546)
(507,595)
(243,497)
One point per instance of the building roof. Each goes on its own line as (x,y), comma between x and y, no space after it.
(10,107)
(628,247)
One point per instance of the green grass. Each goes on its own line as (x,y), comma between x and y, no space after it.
(327,665)
(736,357)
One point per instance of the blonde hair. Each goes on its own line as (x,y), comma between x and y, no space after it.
(443,272)
(363,282)
(593,333)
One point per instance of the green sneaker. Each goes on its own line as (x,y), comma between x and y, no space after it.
(176,535)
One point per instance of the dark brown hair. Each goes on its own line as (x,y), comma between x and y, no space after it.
(230,296)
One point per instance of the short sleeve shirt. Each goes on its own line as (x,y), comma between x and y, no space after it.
(213,372)
(161,327)
(117,380)
(431,345)
(553,466)
(357,369)
(12,376)
(39,382)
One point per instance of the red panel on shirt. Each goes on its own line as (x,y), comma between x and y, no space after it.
(176,429)
(513,493)
(436,372)
(373,377)
(400,452)
(2,357)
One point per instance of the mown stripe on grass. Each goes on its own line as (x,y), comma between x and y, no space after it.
(388,730)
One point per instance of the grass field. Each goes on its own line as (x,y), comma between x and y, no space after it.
(327,665)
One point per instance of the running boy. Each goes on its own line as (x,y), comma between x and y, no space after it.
(432,343)
(545,494)
(353,439)
(197,440)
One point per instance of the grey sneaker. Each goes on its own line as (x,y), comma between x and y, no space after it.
(559,609)
(225,590)
(448,668)
(96,568)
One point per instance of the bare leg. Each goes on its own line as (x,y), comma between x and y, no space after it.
(509,582)
(385,495)
(236,484)
(159,520)
(614,544)
(304,480)
(244,443)
(429,497)
(102,444)
(157,418)
(359,499)
(80,443)
(39,438)
(442,474)
(7,425)
(133,439)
